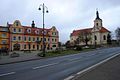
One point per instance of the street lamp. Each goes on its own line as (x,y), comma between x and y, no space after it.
(44,10)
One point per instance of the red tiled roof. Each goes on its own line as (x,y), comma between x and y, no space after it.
(77,32)
(88,30)
(102,30)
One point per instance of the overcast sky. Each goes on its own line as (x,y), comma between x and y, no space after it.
(66,15)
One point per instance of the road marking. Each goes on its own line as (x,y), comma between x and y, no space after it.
(7,74)
(44,66)
(91,67)
(97,64)
(74,59)
(70,77)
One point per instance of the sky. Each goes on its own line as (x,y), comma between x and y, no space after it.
(65,15)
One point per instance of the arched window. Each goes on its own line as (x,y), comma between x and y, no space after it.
(104,37)
(95,37)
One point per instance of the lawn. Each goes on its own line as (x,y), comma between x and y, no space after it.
(65,52)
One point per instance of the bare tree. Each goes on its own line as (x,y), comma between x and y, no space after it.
(84,37)
(117,31)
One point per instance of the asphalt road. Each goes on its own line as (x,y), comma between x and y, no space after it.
(57,68)
(109,70)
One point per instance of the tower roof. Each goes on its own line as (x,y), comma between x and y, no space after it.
(97,15)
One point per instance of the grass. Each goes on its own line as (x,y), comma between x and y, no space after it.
(66,52)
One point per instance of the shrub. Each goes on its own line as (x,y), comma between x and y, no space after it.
(14,54)
(41,54)
(78,48)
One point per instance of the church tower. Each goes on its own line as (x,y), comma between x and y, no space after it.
(97,21)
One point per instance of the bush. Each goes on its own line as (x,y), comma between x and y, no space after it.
(14,54)
(78,48)
(41,54)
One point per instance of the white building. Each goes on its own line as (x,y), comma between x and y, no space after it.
(96,35)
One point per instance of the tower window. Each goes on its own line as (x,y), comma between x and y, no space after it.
(104,37)
(96,24)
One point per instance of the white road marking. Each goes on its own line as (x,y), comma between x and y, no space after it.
(68,78)
(74,59)
(44,66)
(91,67)
(7,74)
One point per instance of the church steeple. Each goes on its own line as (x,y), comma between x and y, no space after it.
(97,15)
(97,21)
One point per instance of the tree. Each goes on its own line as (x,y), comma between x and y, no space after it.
(67,44)
(109,39)
(117,31)
(84,37)
(59,44)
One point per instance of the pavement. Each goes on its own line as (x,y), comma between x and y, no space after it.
(106,71)
(57,68)
(24,56)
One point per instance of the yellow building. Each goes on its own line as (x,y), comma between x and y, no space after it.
(31,37)
(4,37)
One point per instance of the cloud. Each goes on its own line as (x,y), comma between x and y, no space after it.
(66,15)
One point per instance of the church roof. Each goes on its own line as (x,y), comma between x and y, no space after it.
(103,29)
(88,30)
(77,32)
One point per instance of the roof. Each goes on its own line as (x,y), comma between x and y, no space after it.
(88,30)
(77,32)
(103,29)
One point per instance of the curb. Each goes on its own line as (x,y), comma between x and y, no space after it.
(20,61)
(72,77)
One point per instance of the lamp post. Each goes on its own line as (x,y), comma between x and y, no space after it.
(44,10)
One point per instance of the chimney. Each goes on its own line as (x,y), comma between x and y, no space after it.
(33,24)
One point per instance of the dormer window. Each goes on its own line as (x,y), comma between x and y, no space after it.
(37,31)
(29,30)
(17,23)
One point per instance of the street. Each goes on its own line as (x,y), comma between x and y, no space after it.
(57,68)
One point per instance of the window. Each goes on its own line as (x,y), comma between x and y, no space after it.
(95,37)
(4,29)
(44,39)
(4,35)
(54,46)
(55,40)
(25,46)
(41,39)
(104,37)
(96,24)
(48,39)
(17,23)
(37,38)
(33,46)
(29,30)
(14,30)
(25,38)
(4,41)
(33,39)
(19,30)
(19,38)
(52,39)
(14,38)
(29,38)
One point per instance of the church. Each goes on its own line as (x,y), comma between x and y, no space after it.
(97,35)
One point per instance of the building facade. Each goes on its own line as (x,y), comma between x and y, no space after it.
(96,35)
(30,37)
(4,37)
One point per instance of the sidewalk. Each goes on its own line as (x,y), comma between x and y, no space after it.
(23,57)
(107,71)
